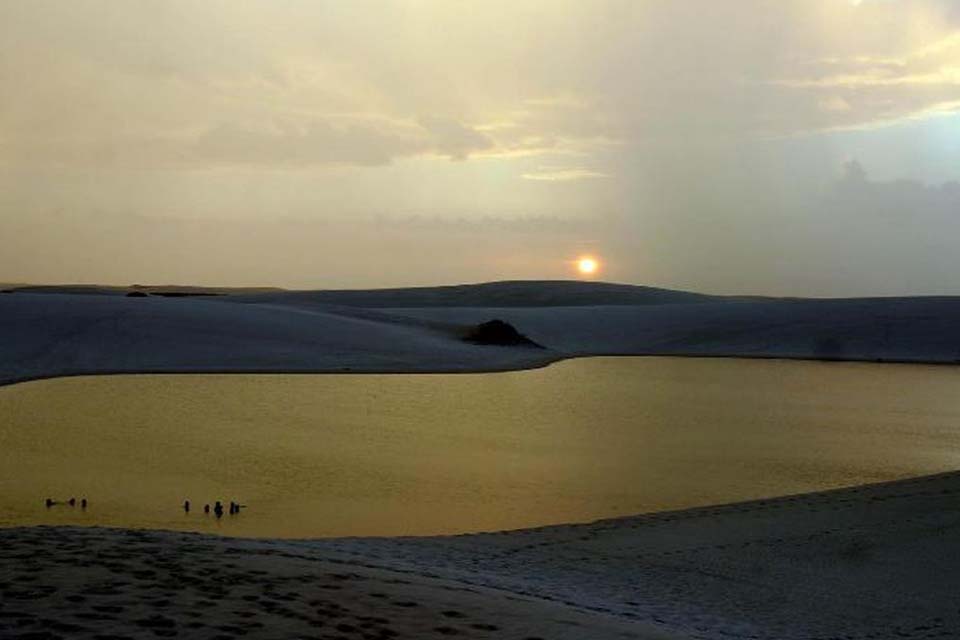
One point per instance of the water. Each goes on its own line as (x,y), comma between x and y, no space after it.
(320,455)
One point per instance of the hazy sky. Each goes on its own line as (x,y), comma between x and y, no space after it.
(802,147)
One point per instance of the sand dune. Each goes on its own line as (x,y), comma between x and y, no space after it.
(64,333)
(871,329)
(520,293)
(510,293)
(870,562)
(43,335)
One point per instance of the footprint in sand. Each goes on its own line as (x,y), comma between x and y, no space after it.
(107,608)
(92,616)
(447,631)
(156,622)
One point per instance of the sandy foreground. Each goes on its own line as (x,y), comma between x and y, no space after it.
(880,561)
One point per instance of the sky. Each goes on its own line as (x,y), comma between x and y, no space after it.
(781,147)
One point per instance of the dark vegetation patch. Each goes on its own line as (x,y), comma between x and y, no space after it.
(500,333)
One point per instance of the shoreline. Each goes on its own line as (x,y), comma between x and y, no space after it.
(669,514)
(531,366)
(46,336)
(755,569)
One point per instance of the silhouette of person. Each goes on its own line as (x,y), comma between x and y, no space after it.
(206,508)
(186,506)
(83,503)
(233,507)
(218,509)
(72,502)
(49,502)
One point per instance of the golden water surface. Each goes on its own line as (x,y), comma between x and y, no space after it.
(321,455)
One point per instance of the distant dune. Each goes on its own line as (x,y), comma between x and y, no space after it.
(116,290)
(67,331)
(519,293)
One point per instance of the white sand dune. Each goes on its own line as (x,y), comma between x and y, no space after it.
(864,563)
(873,329)
(60,332)
(43,335)
(876,562)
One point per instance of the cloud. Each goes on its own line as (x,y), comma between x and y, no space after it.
(908,202)
(319,142)
(868,89)
(834,104)
(308,253)
(535,78)
(703,131)
(562,174)
(306,143)
(453,139)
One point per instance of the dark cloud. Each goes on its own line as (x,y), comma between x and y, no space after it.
(451,138)
(316,143)
(909,202)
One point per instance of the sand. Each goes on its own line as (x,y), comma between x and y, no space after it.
(90,583)
(863,563)
(62,332)
(876,562)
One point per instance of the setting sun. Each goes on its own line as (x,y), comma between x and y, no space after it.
(587,266)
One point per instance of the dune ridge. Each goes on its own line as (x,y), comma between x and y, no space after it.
(62,332)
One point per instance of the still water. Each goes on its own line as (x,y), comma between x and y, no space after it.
(321,455)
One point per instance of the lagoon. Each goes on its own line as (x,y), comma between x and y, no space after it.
(419,454)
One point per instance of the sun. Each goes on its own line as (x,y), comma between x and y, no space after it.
(587,266)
